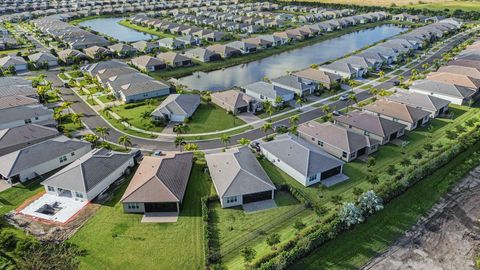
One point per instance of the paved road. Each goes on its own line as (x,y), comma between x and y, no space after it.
(92,120)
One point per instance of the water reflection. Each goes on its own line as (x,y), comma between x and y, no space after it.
(111,27)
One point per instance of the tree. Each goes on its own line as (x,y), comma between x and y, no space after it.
(294,119)
(299,102)
(49,255)
(352,98)
(266,127)
(391,169)
(225,139)
(103,131)
(91,138)
(425,66)
(248,254)
(371,162)
(326,109)
(336,199)
(357,191)
(125,141)
(278,101)
(180,128)
(381,73)
(370,203)
(372,179)
(244,141)
(351,215)
(179,142)
(460,129)
(150,102)
(418,155)
(451,135)
(107,110)
(191,147)
(273,239)
(293,130)
(145,115)
(268,107)
(76,118)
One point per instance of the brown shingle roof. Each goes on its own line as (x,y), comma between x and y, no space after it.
(397,110)
(456,79)
(317,75)
(160,179)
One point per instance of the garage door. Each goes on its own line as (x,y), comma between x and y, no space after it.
(331,172)
(160,207)
(255,197)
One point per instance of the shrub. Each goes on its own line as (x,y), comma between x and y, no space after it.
(351,215)
(370,203)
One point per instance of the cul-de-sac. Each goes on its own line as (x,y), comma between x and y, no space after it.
(232,135)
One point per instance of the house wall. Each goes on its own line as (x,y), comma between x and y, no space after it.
(454,100)
(105,183)
(225,204)
(52,164)
(286,168)
(21,122)
(257,96)
(336,152)
(143,96)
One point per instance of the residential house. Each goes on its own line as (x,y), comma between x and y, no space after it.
(455,79)
(70,56)
(171,43)
(97,53)
(243,47)
(404,114)
(145,46)
(174,59)
(456,94)
(234,101)
(337,140)
(322,79)
(159,184)
(148,63)
(123,50)
(294,84)
(16,62)
(202,55)
(15,101)
(259,43)
(141,90)
(28,114)
(436,106)
(373,126)
(90,175)
(43,58)
(461,70)
(239,178)
(224,50)
(177,107)
(41,158)
(263,91)
(16,138)
(303,161)
(16,86)
(343,69)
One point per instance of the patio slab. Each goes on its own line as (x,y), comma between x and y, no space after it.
(66,208)
(160,217)
(331,181)
(259,206)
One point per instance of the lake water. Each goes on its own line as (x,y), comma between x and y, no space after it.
(111,27)
(277,65)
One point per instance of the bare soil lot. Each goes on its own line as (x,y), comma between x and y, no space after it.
(447,237)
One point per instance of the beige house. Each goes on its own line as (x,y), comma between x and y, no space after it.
(234,101)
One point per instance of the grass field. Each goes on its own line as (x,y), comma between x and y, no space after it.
(354,248)
(238,229)
(133,114)
(115,240)
(209,118)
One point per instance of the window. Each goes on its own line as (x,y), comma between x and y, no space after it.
(312,178)
(62,159)
(78,194)
(51,188)
(320,143)
(352,155)
(133,206)
(232,199)
(28,121)
(344,154)
(36,117)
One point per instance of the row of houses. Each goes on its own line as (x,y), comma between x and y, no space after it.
(127,83)
(458,81)
(74,37)
(391,51)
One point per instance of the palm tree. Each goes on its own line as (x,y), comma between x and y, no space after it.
(299,102)
(125,120)
(91,138)
(326,108)
(268,107)
(381,73)
(266,127)
(76,118)
(145,115)
(103,131)
(244,141)
(125,141)
(180,129)
(225,139)
(425,66)
(294,119)
(179,141)
(107,110)
(66,105)
(278,100)
(351,98)
(293,130)
(191,147)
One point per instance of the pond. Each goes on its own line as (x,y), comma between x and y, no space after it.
(110,27)
(277,65)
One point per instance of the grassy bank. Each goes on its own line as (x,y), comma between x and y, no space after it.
(147,30)
(354,248)
(205,67)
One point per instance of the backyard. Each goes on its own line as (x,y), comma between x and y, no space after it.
(133,112)
(115,240)
(210,118)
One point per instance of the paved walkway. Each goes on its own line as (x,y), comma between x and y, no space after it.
(259,206)
(331,181)
(4,185)
(168,217)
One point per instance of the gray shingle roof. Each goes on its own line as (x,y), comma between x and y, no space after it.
(160,179)
(237,172)
(370,123)
(87,172)
(23,112)
(269,90)
(443,88)
(418,100)
(179,104)
(300,155)
(25,134)
(400,111)
(39,153)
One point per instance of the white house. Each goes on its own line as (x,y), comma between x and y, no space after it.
(90,175)
(263,91)
(22,115)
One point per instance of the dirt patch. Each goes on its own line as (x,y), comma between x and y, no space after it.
(447,237)
(51,231)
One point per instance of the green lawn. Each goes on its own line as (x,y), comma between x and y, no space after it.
(14,196)
(115,123)
(210,118)
(115,240)
(133,112)
(451,5)
(106,98)
(237,229)
(352,249)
